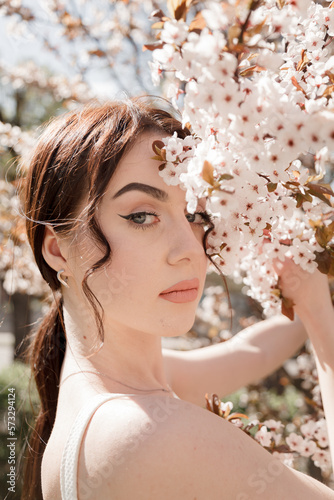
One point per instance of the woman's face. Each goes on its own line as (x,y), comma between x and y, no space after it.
(155,245)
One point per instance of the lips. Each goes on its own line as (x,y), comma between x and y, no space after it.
(184,291)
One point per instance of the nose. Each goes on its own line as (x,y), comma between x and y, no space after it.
(185,243)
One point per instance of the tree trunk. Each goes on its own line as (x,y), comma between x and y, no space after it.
(21,321)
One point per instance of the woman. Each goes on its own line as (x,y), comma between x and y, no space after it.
(120,417)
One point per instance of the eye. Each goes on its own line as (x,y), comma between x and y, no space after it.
(200,218)
(144,219)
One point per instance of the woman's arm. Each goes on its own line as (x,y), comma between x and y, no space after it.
(313,304)
(223,368)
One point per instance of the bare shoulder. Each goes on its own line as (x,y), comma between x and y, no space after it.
(159,447)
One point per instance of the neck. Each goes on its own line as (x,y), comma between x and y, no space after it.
(130,357)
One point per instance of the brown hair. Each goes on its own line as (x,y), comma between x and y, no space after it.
(73,161)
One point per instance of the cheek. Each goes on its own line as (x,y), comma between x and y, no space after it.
(123,281)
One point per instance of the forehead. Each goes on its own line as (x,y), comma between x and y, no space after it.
(138,164)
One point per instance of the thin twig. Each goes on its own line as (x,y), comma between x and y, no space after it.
(252,7)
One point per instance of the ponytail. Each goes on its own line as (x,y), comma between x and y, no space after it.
(45,355)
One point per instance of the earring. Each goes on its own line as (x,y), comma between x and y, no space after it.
(63,281)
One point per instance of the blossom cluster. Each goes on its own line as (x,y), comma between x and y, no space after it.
(14,138)
(29,74)
(18,271)
(255,87)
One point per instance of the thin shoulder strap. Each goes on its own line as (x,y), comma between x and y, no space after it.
(69,461)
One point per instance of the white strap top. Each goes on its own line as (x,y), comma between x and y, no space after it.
(69,461)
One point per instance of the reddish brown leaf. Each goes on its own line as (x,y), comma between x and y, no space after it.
(152,46)
(320,188)
(299,199)
(208,402)
(291,183)
(236,415)
(282,448)
(329,91)
(324,260)
(97,53)
(207,173)
(255,30)
(69,21)
(179,8)
(311,402)
(276,292)
(198,23)
(303,62)
(331,268)
(296,84)
(271,186)
(324,234)
(280,3)
(330,76)
(216,405)
(160,153)
(287,308)
(158,25)
(157,147)
(251,69)
(157,13)
(233,33)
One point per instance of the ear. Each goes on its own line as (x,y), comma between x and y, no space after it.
(51,250)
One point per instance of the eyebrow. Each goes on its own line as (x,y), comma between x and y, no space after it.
(157,193)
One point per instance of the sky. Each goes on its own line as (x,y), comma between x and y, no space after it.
(17,45)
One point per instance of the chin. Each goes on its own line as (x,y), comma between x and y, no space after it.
(176,326)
